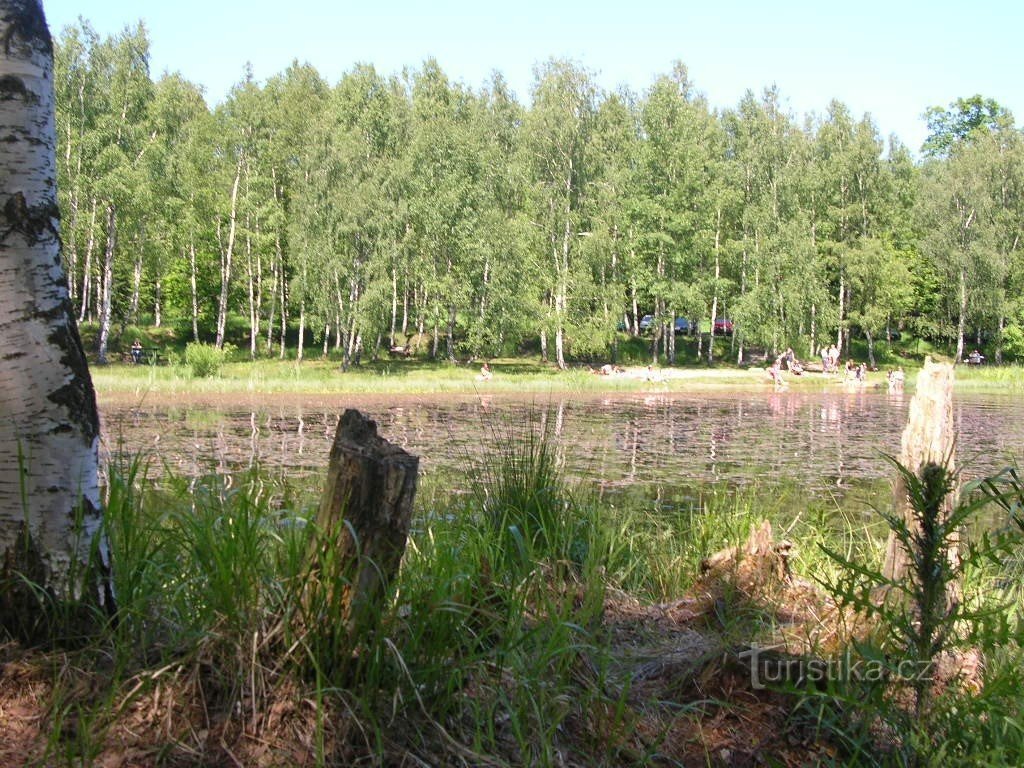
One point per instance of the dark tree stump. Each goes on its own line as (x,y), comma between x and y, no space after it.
(362,527)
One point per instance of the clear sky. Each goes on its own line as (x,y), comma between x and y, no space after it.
(890,58)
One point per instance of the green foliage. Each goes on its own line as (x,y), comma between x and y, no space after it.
(963,119)
(413,205)
(1013,342)
(204,360)
(926,619)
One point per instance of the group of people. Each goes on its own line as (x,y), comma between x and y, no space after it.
(856,374)
(830,359)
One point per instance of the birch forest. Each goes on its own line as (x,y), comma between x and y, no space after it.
(410,211)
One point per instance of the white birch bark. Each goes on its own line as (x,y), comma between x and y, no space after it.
(49,426)
(227,252)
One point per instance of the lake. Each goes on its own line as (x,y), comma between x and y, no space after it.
(659,444)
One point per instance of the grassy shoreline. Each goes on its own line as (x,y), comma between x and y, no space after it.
(510,376)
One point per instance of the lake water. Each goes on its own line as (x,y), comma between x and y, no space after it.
(824,442)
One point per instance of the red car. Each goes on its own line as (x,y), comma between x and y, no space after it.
(722,325)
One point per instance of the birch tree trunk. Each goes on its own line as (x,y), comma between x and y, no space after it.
(107,283)
(227,252)
(714,297)
(961,320)
(49,428)
(87,269)
(194,290)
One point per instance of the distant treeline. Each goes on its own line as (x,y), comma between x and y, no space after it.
(383,207)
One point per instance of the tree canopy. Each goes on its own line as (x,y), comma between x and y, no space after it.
(410,210)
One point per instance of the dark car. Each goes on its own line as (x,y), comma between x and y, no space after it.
(723,325)
(682,325)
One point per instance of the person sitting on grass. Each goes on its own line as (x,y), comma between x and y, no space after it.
(485,373)
(136,352)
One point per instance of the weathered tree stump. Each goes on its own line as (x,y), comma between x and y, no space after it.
(928,439)
(362,527)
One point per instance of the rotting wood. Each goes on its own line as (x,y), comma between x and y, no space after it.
(363,523)
(928,438)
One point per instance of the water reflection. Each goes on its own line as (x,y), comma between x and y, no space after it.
(820,441)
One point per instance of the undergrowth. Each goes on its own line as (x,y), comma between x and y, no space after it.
(492,648)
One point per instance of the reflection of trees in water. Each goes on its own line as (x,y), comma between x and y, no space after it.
(819,440)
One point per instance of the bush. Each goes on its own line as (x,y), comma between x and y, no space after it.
(1013,342)
(205,360)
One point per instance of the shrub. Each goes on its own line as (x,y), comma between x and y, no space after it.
(205,360)
(1013,342)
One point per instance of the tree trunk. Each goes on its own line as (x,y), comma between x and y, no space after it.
(227,252)
(283,286)
(450,334)
(107,285)
(274,278)
(254,307)
(158,302)
(671,339)
(194,288)
(87,267)
(814,337)
(842,294)
(362,529)
(133,311)
(394,306)
(49,433)
(634,327)
(302,330)
(928,439)
(961,323)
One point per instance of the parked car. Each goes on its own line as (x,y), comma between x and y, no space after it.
(723,325)
(646,322)
(682,325)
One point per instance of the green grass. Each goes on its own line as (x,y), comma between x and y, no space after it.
(511,376)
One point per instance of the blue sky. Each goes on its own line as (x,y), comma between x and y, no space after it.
(892,59)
